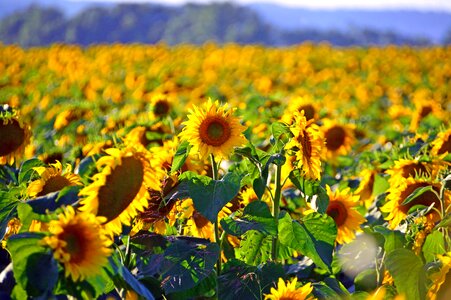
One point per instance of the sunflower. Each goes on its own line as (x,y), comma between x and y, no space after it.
(365,189)
(79,242)
(119,191)
(405,168)
(441,146)
(338,138)
(441,280)
(212,129)
(397,195)
(52,179)
(161,105)
(342,209)
(424,108)
(14,135)
(307,145)
(288,291)
(307,104)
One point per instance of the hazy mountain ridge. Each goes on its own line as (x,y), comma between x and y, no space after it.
(190,23)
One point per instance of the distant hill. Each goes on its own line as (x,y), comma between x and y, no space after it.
(410,23)
(190,23)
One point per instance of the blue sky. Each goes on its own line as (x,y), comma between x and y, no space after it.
(427,5)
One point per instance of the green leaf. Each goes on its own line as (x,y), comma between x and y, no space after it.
(87,167)
(380,185)
(259,187)
(433,245)
(314,237)
(417,193)
(366,280)
(125,275)
(210,196)
(180,156)
(408,273)
(321,201)
(394,239)
(29,259)
(255,247)
(8,210)
(239,281)
(186,263)
(52,201)
(281,131)
(26,169)
(307,186)
(256,216)
(446,221)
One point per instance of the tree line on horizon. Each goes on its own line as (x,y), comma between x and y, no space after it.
(190,23)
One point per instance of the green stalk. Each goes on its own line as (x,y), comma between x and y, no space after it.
(276,210)
(214,169)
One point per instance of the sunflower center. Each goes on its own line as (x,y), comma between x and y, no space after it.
(76,244)
(215,131)
(200,221)
(306,145)
(428,198)
(335,138)
(425,111)
(12,137)
(161,108)
(309,111)
(413,169)
(446,147)
(54,184)
(121,188)
(337,211)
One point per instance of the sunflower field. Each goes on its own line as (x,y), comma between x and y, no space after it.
(225,172)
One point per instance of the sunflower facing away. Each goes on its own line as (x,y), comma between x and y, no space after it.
(365,189)
(79,242)
(119,191)
(307,145)
(397,211)
(211,129)
(288,291)
(52,179)
(342,209)
(14,135)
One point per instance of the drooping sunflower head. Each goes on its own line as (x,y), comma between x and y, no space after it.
(14,135)
(53,179)
(441,146)
(306,144)
(120,190)
(339,138)
(342,208)
(289,291)
(212,129)
(397,194)
(79,242)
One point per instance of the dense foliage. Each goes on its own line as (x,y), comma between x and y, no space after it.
(225,172)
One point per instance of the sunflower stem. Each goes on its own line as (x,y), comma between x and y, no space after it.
(214,169)
(276,210)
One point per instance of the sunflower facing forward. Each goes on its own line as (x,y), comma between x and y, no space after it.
(79,242)
(52,179)
(14,135)
(338,138)
(307,145)
(119,191)
(288,291)
(342,209)
(211,129)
